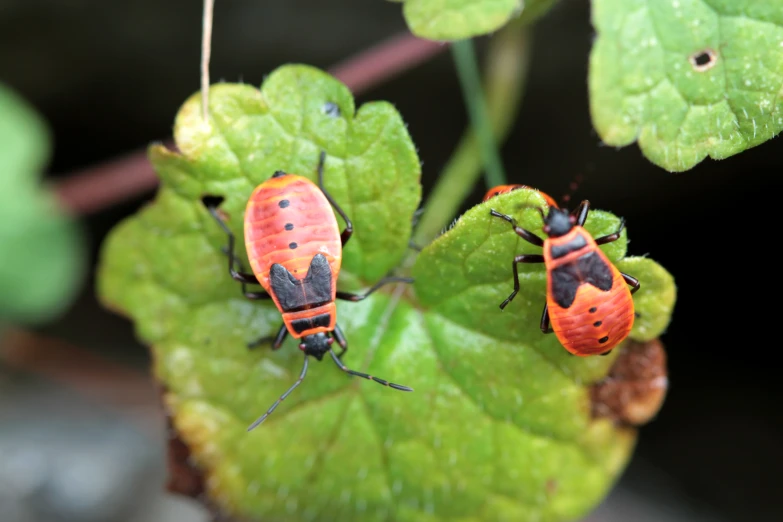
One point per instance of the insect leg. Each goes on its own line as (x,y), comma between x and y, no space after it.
(415,221)
(348,296)
(605,353)
(545,326)
(347,370)
(524,258)
(631,281)
(282,397)
(249,295)
(341,340)
(581,212)
(611,237)
(239,276)
(346,234)
(277,340)
(521,232)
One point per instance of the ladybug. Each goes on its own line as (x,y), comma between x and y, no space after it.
(294,246)
(505,189)
(589,305)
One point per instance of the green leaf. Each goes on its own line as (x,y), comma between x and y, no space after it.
(687,78)
(478,278)
(459,19)
(496,429)
(41,250)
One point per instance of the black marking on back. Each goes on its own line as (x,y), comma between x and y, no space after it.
(595,271)
(568,247)
(586,269)
(309,323)
(289,226)
(292,246)
(294,294)
(283,203)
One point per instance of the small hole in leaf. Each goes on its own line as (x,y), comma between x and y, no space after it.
(332,109)
(212,201)
(703,60)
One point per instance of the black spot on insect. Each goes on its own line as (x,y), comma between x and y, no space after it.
(292,246)
(593,310)
(703,60)
(283,203)
(332,109)
(278,174)
(597,324)
(289,226)
(602,340)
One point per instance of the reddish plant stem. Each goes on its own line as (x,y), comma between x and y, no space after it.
(105,184)
(384,61)
(121,388)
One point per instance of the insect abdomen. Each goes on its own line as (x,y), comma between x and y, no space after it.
(597,320)
(288,220)
(312,321)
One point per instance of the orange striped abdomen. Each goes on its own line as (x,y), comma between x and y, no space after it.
(593,316)
(288,220)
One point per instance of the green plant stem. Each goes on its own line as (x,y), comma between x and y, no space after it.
(508,58)
(464,55)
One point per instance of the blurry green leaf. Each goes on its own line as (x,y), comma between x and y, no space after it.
(459,19)
(687,78)
(498,426)
(41,256)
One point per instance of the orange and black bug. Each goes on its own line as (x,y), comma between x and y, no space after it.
(504,189)
(295,250)
(588,303)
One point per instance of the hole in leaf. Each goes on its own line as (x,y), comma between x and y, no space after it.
(212,201)
(703,60)
(332,109)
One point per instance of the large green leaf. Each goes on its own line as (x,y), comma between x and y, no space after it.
(687,78)
(41,250)
(458,19)
(498,427)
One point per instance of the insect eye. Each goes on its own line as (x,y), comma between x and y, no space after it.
(329,341)
(572,219)
(302,346)
(546,229)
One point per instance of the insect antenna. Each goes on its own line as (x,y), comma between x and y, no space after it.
(282,397)
(566,198)
(347,370)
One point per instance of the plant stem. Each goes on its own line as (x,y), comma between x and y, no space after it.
(464,55)
(206,49)
(100,186)
(508,58)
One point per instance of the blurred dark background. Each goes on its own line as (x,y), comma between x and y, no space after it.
(110,76)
